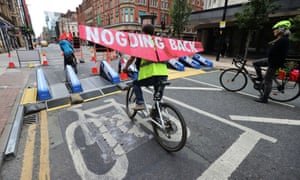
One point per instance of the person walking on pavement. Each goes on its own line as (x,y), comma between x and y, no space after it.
(68,50)
(149,72)
(276,57)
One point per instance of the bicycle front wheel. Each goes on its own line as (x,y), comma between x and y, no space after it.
(173,137)
(130,103)
(233,79)
(284,90)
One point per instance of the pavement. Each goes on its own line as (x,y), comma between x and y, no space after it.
(13,81)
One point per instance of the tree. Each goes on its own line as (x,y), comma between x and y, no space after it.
(295,36)
(179,13)
(253,17)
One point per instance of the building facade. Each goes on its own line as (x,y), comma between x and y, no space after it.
(128,15)
(211,4)
(207,23)
(15,25)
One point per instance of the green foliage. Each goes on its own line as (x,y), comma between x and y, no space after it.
(295,36)
(179,13)
(295,29)
(254,14)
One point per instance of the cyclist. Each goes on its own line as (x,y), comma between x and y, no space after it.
(149,72)
(276,57)
(68,50)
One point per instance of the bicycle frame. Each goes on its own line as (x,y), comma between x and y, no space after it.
(167,122)
(243,67)
(155,107)
(283,89)
(244,70)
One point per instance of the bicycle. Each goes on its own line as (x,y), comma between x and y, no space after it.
(71,60)
(235,79)
(168,124)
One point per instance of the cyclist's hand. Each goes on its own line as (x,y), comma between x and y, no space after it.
(126,70)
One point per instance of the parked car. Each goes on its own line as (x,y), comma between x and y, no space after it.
(44,43)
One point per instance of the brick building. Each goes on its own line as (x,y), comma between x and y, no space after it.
(128,15)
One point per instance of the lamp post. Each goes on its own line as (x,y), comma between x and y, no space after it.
(222,28)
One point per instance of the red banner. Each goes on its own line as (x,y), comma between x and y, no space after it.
(153,48)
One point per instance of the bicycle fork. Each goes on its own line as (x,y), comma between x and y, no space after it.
(158,112)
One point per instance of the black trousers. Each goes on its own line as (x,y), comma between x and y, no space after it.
(258,64)
(267,80)
(69,60)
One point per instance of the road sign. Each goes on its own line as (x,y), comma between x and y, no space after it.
(222,24)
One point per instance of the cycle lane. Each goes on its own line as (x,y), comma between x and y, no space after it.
(198,89)
(201,160)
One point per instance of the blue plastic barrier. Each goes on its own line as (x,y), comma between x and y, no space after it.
(176,64)
(108,72)
(191,62)
(73,80)
(42,85)
(202,60)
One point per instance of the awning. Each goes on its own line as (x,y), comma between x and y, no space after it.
(211,17)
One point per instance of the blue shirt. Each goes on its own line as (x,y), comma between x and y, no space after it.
(66,47)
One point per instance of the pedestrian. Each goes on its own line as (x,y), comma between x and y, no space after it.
(275,59)
(149,72)
(224,48)
(68,51)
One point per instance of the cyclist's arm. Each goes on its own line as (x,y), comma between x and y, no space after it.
(128,63)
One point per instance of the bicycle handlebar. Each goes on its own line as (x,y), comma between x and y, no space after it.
(239,61)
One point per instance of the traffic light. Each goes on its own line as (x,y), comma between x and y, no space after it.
(163,25)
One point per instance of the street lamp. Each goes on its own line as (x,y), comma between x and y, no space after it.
(222,28)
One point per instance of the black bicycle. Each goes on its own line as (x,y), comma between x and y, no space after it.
(168,123)
(235,79)
(71,60)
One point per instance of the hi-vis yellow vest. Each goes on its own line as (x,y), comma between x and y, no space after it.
(149,68)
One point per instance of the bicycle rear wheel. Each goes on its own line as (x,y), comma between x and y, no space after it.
(233,79)
(284,90)
(173,137)
(130,103)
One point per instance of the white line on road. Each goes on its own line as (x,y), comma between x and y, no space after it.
(200,82)
(239,92)
(265,120)
(194,88)
(227,163)
(230,160)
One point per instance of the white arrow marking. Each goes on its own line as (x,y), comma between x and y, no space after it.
(265,120)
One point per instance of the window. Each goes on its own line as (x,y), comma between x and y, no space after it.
(141,13)
(153,3)
(126,15)
(117,17)
(164,4)
(143,2)
(131,15)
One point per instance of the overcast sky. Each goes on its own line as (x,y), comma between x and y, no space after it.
(38,7)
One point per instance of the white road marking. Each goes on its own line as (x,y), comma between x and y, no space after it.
(231,159)
(200,82)
(227,163)
(86,119)
(239,92)
(194,88)
(265,120)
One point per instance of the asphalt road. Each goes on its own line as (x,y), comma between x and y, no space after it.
(230,137)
